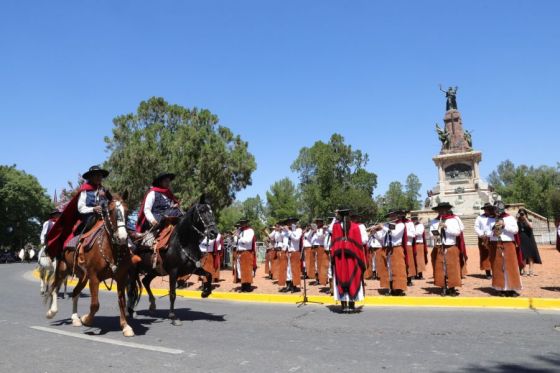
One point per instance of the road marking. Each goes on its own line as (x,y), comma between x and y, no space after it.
(94,338)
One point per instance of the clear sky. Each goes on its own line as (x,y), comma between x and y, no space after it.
(282,74)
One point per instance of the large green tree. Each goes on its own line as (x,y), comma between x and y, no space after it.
(412,192)
(536,187)
(333,174)
(207,157)
(282,200)
(253,209)
(24,206)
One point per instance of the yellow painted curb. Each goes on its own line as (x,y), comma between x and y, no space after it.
(379,301)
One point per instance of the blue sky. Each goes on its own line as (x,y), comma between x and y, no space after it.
(282,74)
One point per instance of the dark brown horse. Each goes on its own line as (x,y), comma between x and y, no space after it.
(108,259)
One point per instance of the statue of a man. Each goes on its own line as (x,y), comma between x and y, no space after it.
(451,95)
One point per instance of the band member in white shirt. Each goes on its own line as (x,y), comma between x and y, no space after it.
(246,251)
(449,249)
(421,248)
(504,253)
(484,231)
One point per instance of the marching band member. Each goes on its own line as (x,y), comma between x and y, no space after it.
(505,254)
(410,247)
(207,247)
(374,247)
(295,235)
(348,261)
(218,256)
(483,231)
(449,251)
(421,247)
(392,261)
(309,254)
(270,253)
(284,273)
(246,259)
(318,244)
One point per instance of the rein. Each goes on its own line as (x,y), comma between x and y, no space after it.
(111,232)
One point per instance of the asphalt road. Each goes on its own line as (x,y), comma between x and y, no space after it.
(236,337)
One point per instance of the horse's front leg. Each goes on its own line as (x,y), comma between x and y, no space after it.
(207,286)
(172,296)
(121,287)
(75,297)
(87,320)
(146,281)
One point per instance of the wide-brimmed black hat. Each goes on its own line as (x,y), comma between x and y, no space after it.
(443,205)
(319,220)
(162,176)
(291,219)
(414,217)
(55,212)
(395,212)
(487,205)
(95,169)
(243,221)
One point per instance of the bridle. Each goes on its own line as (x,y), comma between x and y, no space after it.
(112,233)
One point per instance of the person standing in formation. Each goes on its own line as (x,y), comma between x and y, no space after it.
(207,248)
(283,241)
(410,247)
(529,247)
(270,255)
(246,254)
(348,260)
(392,261)
(309,255)
(449,252)
(294,234)
(505,254)
(421,247)
(318,244)
(483,231)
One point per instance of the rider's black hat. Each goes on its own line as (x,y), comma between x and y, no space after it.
(162,176)
(93,170)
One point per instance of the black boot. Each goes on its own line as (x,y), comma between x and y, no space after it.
(444,292)
(286,288)
(420,276)
(453,292)
(488,275)
(352,306)
(295,289)
(409,282)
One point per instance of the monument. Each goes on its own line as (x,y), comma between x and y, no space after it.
(459,180)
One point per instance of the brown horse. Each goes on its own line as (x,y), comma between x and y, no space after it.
(108,259)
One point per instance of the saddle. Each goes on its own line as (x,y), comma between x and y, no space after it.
(87,239)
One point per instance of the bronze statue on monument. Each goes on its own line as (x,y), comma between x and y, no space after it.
(451,95)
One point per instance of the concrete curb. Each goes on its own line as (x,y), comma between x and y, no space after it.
(378,301)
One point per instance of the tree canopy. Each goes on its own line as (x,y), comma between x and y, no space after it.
(282,200)
(160,137)
(333,175)
(401,197)
(536,187)
(24,205)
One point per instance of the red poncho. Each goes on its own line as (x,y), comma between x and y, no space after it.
(349,259)
(141,216)
(62,230)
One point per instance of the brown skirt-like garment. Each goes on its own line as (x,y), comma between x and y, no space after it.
(207,261)
(323,265)
(505,268)
(420,259)
(282,260)
(393,270)
(268,261)
(368,274)
(236,276)
(411,265)
(295,264)
(246,264)
(453,265)
(485,264)
(275,264)
(310,262)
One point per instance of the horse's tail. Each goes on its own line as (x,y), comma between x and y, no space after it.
(134,288)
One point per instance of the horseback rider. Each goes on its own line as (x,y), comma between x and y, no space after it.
(80,214)
(159,203)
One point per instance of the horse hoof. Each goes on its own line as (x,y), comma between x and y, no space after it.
(86,320)
(76,322)
(205,294)
(176,322)
(50,314)
(128,332)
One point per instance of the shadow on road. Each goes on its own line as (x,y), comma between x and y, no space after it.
(183,314)
(546,364)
